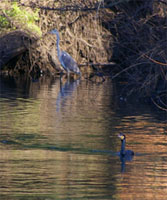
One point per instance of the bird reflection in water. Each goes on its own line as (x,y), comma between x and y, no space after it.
(125,155)
(66,91)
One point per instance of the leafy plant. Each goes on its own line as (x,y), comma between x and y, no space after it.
(3,22)
(22,17)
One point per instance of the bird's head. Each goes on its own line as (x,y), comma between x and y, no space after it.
(54,31)
(122,136)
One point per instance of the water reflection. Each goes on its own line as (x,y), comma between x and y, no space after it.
(66,90)
(59,141)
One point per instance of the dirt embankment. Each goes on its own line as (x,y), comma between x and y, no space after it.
(130,33)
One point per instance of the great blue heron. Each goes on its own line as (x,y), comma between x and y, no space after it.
(67,62)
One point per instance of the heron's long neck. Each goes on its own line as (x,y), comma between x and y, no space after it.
(122,146)
(57,45)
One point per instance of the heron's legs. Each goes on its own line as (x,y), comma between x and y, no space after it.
(61,78)
(68,75)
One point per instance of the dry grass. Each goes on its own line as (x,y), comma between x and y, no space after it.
(81,33)
(131,33)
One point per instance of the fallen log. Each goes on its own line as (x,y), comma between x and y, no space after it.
(13,44)
(40,56)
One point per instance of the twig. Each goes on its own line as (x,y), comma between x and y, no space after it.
(84,41)
(163,2)
(124,70)
(158,105)
(97,64)
(155,61)
(76,7)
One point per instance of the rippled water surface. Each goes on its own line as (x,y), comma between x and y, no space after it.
(59,141)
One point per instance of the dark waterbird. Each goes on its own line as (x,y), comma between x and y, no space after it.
(125,155)
(128,154)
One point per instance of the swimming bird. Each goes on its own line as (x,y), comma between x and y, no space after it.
(123,152)
(67,62)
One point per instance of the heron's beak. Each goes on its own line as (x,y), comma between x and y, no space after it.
(121,137)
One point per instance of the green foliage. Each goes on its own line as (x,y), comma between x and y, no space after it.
(21,16)
(3,22)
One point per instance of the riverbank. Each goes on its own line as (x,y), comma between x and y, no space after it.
(129,33)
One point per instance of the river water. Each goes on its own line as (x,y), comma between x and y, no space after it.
(58,141)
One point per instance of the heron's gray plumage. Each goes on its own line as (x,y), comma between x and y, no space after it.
(67,62)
